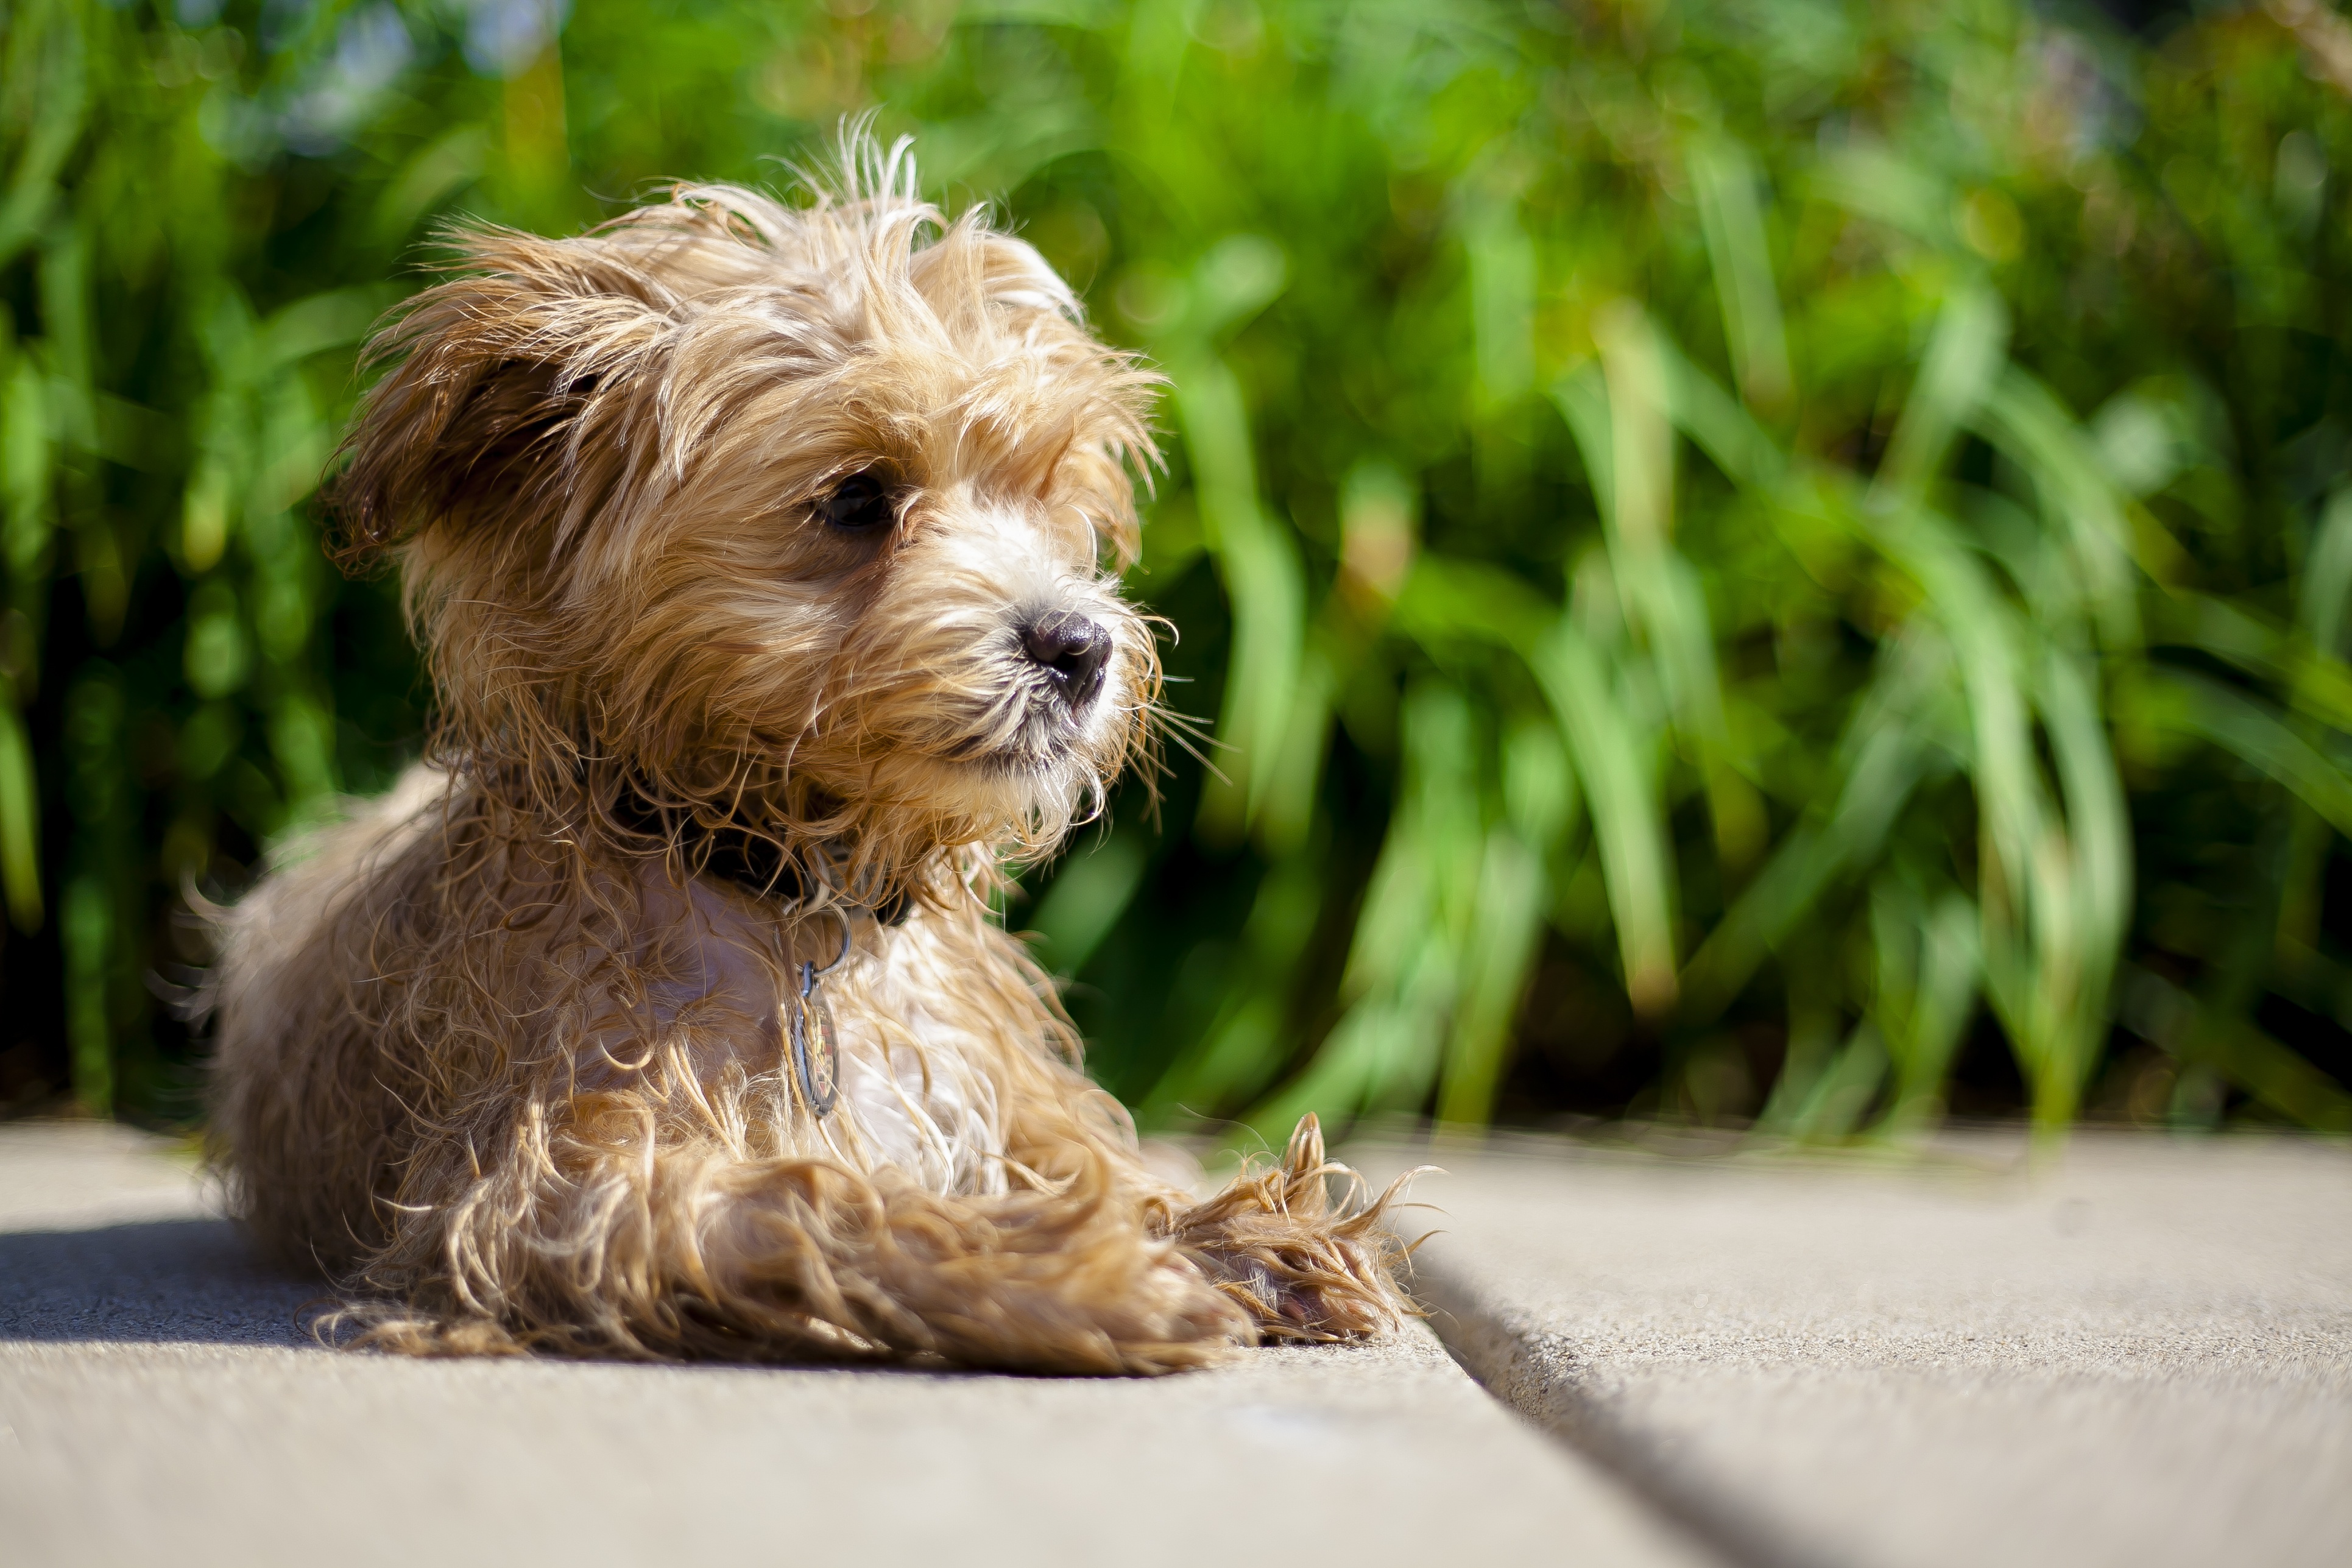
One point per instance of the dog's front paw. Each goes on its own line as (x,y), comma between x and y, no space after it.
(1172,1320)
(1060,1283)
(1304,1268)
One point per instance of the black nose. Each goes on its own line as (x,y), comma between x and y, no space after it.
(1072,651)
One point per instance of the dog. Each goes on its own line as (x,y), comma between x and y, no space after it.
(764,557)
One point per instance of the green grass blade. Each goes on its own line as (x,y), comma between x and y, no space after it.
(20,823)
(1724,178)
(1501,946)
(1635,857)
(1964,358)
(2328,575)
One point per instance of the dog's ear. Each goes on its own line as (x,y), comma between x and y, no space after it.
(494,377)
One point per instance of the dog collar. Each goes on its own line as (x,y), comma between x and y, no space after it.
(743,856)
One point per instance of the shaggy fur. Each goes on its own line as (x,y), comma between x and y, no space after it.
(500,1052)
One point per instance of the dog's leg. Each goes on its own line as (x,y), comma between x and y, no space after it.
(693,1249)
(1304,1268)
(1273,1241)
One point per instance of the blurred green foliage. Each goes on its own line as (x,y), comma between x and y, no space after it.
(1750,561)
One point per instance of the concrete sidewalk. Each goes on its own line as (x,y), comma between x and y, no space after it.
(2143,1356)
(158,1403)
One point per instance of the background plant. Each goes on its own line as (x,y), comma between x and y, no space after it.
(1750,562)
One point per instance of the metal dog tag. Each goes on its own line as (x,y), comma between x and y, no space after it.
(816,1050)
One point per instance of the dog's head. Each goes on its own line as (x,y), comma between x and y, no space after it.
(809,516)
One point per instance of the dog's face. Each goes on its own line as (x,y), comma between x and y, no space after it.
(785,510)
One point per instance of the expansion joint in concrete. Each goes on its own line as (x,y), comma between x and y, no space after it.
(1515,1361)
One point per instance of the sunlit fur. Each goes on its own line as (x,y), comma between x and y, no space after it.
(499,1056)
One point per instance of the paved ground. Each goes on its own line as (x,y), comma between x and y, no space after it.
(156,1403)
(2143,1356)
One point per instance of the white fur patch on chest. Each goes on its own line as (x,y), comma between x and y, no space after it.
(716,972)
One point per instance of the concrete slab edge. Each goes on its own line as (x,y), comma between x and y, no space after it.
(1519,1361)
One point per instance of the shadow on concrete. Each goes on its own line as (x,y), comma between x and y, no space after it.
(154,1282)
(198,1281)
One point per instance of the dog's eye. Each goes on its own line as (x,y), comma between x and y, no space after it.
(859,504)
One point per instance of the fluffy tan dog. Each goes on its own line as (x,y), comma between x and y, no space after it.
(765,562)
